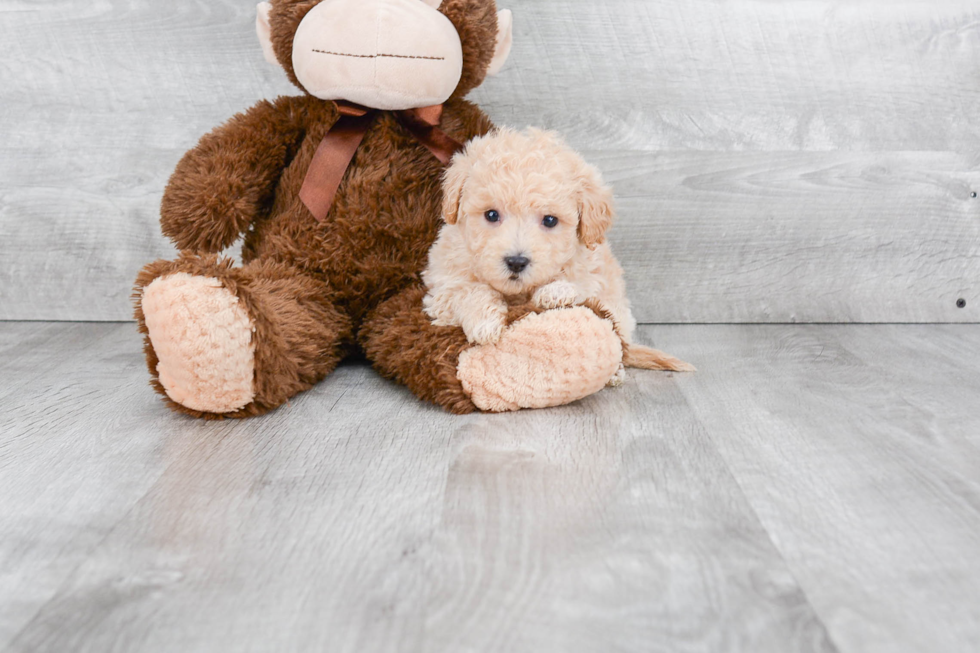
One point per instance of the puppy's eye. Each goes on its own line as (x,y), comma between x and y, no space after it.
(550,221)
(491,216)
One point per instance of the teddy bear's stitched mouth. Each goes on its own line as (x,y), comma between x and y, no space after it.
(377,56)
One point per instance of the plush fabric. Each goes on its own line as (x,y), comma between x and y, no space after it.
(418,65)
(311,292)
(475,22)
(505,41)
(298,336)
(203,339)
(533,368)
(406,347)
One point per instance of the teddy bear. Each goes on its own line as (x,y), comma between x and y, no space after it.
(337,193)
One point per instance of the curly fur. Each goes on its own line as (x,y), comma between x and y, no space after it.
(526,179)
(523,177)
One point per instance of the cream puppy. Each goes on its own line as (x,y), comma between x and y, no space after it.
(526,217)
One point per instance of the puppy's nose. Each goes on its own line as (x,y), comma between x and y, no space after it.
(516,264)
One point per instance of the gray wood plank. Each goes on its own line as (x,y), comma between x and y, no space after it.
(77,450)
(606,526)
(941,403)
(101,99)
(794,75)
(703,238)
(36,351)
(798,237)
(857,447)
(358,519)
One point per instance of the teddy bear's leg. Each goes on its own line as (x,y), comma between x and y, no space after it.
(235,342)
(544,358)
(404,346)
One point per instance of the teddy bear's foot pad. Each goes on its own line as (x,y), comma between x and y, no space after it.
(202,337)
(532,367)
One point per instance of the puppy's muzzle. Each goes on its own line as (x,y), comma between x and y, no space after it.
(517,264)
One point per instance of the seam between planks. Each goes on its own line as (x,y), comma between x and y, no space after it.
(69,577)
(66,583)
(751,507)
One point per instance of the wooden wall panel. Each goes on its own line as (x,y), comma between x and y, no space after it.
(797,236)
(746,74)
(836,132)
(99,101)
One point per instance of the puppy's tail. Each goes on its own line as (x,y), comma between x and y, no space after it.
(653,359)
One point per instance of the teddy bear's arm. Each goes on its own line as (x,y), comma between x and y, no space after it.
(229,178)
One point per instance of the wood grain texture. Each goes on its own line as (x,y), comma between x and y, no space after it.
(100,99)
(857,447)
(73,456)
(811,488)
(609,525)
(716,75)
(797,237)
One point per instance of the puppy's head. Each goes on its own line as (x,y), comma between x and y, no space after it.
(526,204)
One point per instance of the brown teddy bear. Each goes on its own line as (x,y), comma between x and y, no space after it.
(339,205)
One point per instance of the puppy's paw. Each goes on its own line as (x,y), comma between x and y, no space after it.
(556,294)
(618,378)
(485,332)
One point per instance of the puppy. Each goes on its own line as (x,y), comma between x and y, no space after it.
(526,217)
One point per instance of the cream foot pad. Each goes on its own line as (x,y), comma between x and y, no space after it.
(203,338)
(545,359)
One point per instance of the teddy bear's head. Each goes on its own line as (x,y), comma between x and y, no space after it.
(385,54)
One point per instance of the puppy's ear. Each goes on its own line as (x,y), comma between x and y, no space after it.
(452,186)
(595,207)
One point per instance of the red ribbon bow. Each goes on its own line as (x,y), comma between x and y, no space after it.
(337,148)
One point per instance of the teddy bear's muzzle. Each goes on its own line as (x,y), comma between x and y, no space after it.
(384,54)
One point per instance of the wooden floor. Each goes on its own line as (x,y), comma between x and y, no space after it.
(812,488)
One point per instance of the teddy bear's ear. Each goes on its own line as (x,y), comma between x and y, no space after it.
(263,27)
(595,207)
(505,40)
